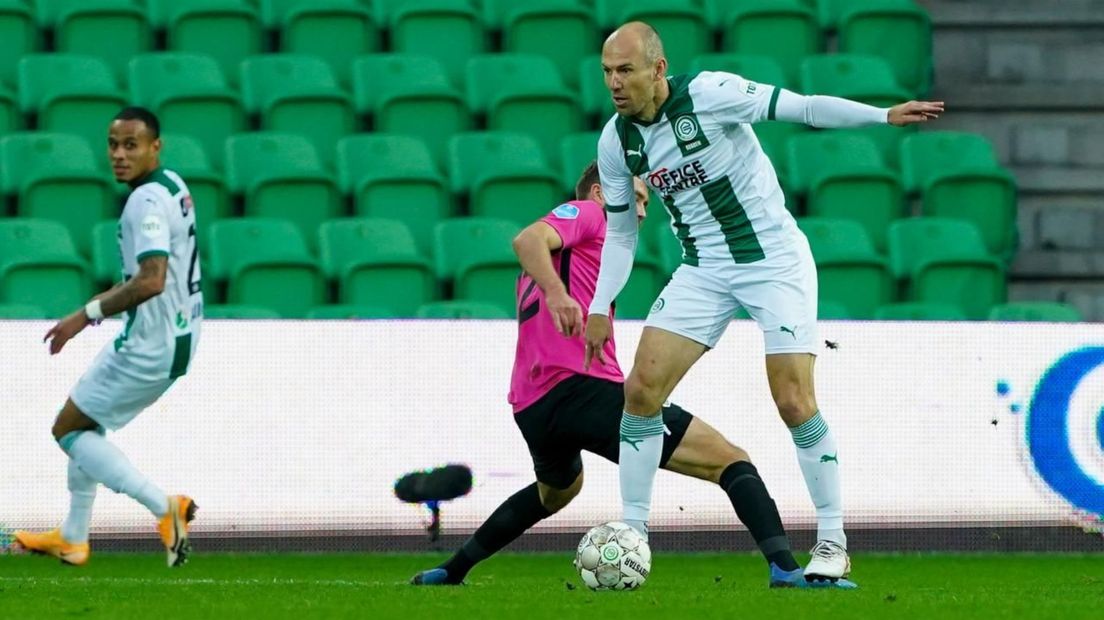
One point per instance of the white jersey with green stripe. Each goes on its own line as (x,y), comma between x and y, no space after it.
(159,336)
(701,157)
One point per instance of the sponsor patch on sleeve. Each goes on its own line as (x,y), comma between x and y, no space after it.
(152,226)
(566,212)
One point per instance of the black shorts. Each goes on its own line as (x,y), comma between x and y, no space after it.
(584,413)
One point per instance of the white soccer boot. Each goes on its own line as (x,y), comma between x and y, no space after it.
(829,562)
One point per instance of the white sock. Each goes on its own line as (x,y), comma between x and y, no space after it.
(641,450)
(817,453)
(82,494)
(104,462)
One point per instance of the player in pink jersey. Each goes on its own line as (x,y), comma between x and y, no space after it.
(562,408)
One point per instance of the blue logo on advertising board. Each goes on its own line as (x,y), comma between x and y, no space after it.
(1050,437)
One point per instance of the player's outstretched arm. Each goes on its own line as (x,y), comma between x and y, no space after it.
(149,282)
(834,112)
(534,247)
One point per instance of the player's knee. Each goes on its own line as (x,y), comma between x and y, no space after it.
(795,407)
(643,392)
(554,500)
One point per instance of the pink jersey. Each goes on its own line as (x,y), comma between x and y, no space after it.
(544,357)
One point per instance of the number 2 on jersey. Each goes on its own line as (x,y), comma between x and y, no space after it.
(193,279)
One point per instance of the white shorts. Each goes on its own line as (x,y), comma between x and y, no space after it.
(780,293)
(113,397)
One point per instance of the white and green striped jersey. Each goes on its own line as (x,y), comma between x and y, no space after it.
(159,336)
(702,158)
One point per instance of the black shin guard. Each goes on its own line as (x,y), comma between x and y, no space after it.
(518,513)
(758,512)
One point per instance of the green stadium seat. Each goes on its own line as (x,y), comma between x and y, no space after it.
(755,67)
(945,261)
(238,311)
(594,97)
(785,30)
(864,78)
(265,262)
(476,253)
(298,94)
(376,262)
(849,271)
(514,89)
(281,176)
(18,37)
(312,26)
(926,154)
(1042,311)
(859,77)
(211,199)
(393,176)
(58,177)
(563,31)
(189,93)
(10,117)
(716,11)
(504,175)
(345,312)
(113,30)
(681,24)
(844,177)
(640,292)
(412,95)
(70,93)
(832,311)
(107,262)
(227,30)
(447,30)
(577,151)
(919,311)
(461,309)
(39,266)
(763,69)
(897,30)
(21,312)
(958,177)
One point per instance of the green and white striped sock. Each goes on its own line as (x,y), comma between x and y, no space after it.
(818,456)
(641,450)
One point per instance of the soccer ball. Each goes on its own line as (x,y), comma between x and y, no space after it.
(613,556)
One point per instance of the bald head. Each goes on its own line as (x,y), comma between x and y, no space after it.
(636,70)
(640,38)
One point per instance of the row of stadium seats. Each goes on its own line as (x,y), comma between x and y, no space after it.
(376,262)
(497,174)
(454,30)
(395,93)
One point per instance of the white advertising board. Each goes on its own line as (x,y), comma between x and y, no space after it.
(304,426)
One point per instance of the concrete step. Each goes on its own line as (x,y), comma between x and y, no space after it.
(1088,297)
(987,14)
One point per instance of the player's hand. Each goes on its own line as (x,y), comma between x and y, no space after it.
(597,335)
(567,315)
(913,112)
(64,330)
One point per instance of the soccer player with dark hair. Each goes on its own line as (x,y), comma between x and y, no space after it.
(160,296)
(562,408)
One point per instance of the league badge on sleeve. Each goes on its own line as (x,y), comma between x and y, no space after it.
(566,212)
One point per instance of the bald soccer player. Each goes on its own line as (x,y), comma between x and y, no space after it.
(689,137)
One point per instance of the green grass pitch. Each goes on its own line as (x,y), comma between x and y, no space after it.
(532,586)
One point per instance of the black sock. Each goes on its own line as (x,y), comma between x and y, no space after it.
(518,513)
(758,512)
